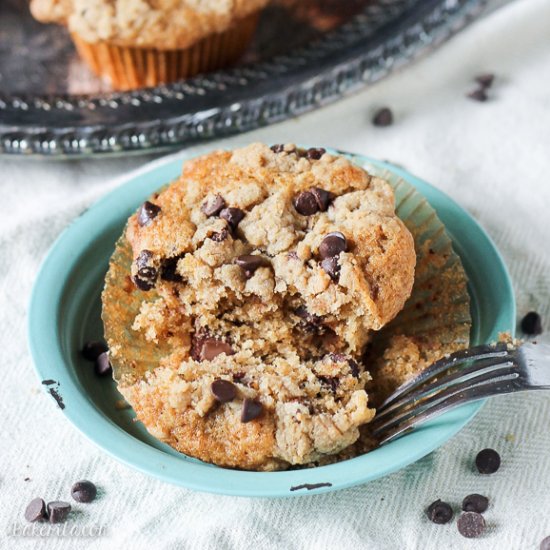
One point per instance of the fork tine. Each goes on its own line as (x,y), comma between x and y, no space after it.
(476,353)
(508,369)
(476,393)
(439,383)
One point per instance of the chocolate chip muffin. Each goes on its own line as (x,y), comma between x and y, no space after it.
(135,43)
(262,274)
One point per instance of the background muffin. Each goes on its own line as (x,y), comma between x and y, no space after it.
(136,43)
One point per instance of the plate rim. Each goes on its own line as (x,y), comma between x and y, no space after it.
(49,362)
(231,101)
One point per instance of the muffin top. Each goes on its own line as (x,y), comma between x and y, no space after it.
(160,24)
(267,271)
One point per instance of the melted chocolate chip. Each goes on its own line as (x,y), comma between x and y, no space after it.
(315,153)
(311,322)
(36,510)
(305,203)
(471,525)
(278,148)
(249,263)
(331,381)
(233,216)
(487,461)
(322,198)
(144,259)
(147,273)
(354,368)
(212,347)
(223,390)
(332,245)
(332,268)
(214,206)
(143,284)
(439,512)
(147,212)
(341,358)
(169,270)
(251,410)
(220,236)
(475,503)
(383,117)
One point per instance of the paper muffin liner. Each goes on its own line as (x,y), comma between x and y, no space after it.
(128,68)
(434,321)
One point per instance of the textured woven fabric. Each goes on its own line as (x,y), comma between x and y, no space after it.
(493,158)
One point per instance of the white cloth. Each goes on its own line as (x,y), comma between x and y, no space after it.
(493,158)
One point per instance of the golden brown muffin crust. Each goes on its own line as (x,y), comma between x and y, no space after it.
(160,24)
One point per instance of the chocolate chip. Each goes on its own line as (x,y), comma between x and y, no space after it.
(332,245)
(251,410)
(169,270)
(233,216)
(322,197)
(147,273)
(487,461)
(147,212)
(249,263)
(478,95)
(212,347)
(58,511)
(143,284)
(278,148)
(331,266)
(439,512)
(354,368)
(315,153)
(475,503)
(470,524)
(213,207)
(545,544)
(223,390)
(36,510)
(331,381)
(305,203)
(312,322)
(341,358)
(92,350)
(220,236)
(531,324)
(83,491)
(196,347)
(103,365)
(485,80)
(383,117)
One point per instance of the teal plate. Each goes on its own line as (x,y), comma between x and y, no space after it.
(65,312)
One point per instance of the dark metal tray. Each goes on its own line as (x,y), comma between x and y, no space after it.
(50,104)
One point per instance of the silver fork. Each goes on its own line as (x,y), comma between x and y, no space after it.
(459,378)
